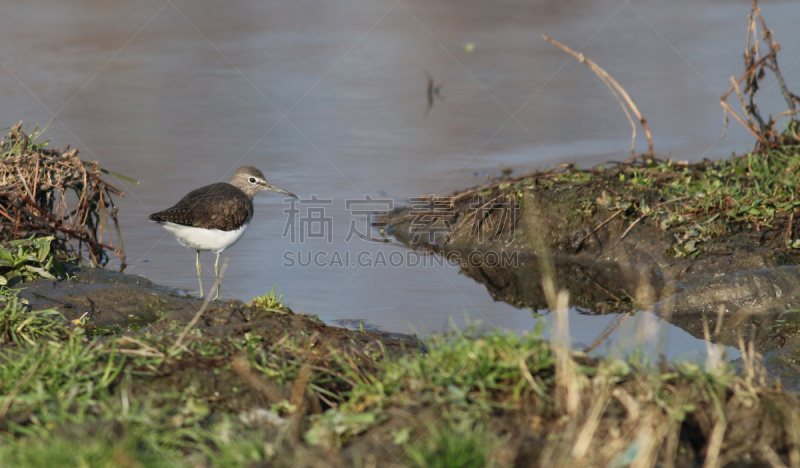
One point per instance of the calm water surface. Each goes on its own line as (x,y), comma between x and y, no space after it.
(328,98)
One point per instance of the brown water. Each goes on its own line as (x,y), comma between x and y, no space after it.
(328,98)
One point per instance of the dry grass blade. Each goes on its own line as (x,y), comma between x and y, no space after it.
(771,457)
(584,440)
(613,326)
(714,362)
(199,313)
(300,384)
(143,351)
(568,383)
(628,402)
(297,399)
(243,370)
(619,93)
(715,443)
(649,439)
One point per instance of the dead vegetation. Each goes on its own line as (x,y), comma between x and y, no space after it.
(617,90)
(37,187)
(756,62)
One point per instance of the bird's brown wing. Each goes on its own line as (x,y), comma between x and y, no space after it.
(217,206)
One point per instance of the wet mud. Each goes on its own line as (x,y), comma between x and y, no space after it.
(119,302)
(118,305)
(743,286)
(216,381)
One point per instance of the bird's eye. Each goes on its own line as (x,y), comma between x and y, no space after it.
(252,180)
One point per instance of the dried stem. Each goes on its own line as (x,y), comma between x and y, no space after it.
(619,93)
(755,64)
(199,313)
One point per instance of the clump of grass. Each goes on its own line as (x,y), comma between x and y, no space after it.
(693,202)
(27,260)
(753,192)
(54,382)
(21,326)
(96,450)
(473,399)
(452,445)
(460,370)
(616,410)
(271,301)
(474,384)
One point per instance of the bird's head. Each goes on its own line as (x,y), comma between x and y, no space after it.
(250,180)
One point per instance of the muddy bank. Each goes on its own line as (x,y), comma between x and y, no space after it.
(134,374)
(587,250)
(113,303)
(618,239)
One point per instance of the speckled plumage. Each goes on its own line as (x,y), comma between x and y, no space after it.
(217,206)
(215,217)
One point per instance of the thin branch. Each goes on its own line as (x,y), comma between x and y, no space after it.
(648,214)
(599,226)
(614,87)
(199,313)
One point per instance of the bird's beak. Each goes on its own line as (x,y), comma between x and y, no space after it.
(276,189)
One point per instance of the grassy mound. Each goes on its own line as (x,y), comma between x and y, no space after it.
(287,391)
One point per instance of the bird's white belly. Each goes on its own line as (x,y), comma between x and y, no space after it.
(196,238)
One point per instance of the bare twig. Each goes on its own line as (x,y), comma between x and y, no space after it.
(615,88)
(599,226)
(606,333)
(754,64)
(648,214)
(199,313)
(243,370)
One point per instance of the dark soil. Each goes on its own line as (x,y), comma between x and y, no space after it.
(614,261)
(531,429)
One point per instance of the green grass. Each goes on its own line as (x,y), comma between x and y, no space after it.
(271,302)
(21,261)
(463,444)
(28,260)
(752,191)
(34,142)
(56,382)
(91,451)
(68,399)
(459,370)
(21,326)
(698,202)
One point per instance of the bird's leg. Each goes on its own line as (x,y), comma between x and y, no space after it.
(200,274)
(216,269)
